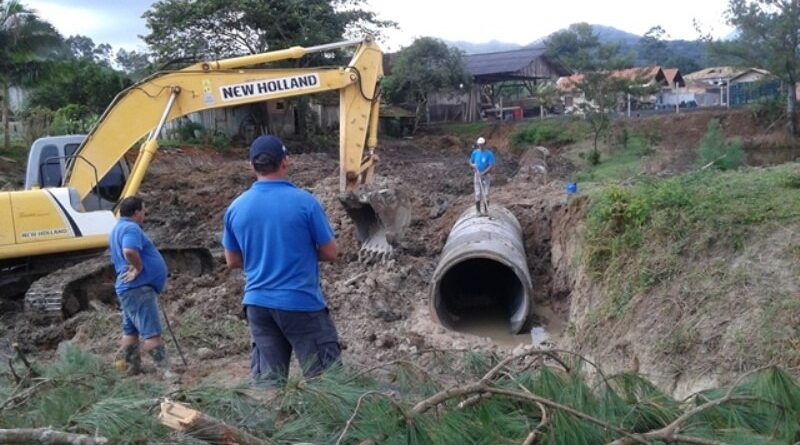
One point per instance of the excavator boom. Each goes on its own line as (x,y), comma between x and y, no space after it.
(48,221)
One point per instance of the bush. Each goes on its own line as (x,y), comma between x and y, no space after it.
(73,119)
(221,141)
(718,151)
(547,133)
(189,131)
(634,143)
(37,121)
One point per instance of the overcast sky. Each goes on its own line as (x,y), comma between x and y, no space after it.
(119,22)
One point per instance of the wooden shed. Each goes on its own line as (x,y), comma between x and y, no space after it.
(491,72)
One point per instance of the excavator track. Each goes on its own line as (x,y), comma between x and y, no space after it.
(54,296)
(67,291)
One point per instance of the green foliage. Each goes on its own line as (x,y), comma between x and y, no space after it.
(136,65)
(636,235)
(221,141)
(765,32)
(224,28)
(190,131)
(84,48)
(620,163)
(426,66)
(37,122)
(73,119)
(27,45)
(79,82)
(581,50)
(718,151)
(548,133)
(77,393)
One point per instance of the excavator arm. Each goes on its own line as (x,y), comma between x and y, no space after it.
(140,111)
(51,220)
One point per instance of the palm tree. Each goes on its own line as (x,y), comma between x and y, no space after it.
(26,42)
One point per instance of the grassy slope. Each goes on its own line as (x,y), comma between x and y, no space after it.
(694,276)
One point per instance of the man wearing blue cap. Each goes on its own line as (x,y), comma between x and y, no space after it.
(278,233)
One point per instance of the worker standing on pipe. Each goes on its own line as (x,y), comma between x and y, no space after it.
(482,162)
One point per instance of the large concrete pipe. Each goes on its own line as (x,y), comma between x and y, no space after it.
(483,270)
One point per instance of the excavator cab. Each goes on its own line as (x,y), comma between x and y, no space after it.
(49,159)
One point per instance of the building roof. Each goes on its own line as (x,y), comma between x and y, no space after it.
(673,75)
(648,75)
(721,72)
(510,63)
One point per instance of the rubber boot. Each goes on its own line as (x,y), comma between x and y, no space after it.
(133,361)
(161,360)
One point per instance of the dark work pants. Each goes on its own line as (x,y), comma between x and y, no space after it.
(276,333)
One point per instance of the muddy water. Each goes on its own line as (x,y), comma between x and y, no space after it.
(492,323)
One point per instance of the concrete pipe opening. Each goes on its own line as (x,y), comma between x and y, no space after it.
(482,277)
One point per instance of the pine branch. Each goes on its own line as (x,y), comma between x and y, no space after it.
(15,399)
(47,436)
(671,432)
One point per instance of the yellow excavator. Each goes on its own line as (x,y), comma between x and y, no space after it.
(74,183)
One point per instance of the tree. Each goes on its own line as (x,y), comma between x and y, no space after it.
(547,96)
(651,47)
(26,43)
(203,29)
(601,91)
(422,68)
(768,37)
(223,28)
(135,64)
(84,48)
(81,82)
(580,49)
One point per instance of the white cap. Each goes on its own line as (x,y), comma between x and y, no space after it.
(481,141)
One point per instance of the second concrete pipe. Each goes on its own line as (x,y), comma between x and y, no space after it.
(483,269)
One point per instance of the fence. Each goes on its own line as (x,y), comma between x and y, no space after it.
(751,92)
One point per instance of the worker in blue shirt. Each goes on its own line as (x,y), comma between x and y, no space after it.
(482,162)
(278,233)
(141,277)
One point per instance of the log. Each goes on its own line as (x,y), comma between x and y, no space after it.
(47,436)
(181,418)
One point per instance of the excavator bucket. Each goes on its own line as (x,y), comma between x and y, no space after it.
(381,216)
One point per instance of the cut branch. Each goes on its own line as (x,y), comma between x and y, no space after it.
(181,418)
(47,436)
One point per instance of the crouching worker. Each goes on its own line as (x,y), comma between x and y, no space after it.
(141,277)
(278,233)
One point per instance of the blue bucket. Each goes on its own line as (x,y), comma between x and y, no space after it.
(572,188)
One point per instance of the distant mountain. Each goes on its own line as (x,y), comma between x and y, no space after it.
(487,47)
(608,34)
(688,55)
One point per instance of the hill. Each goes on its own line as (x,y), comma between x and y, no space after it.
(688,55)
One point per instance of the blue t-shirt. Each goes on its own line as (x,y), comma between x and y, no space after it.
(277,228)
(483,159)
(127,234)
